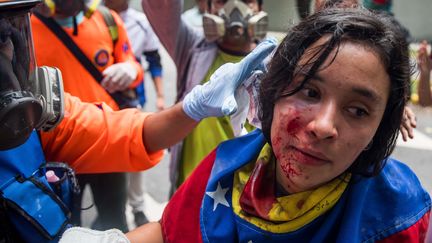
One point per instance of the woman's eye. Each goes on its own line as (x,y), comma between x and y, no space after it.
(358,112)
(311,93)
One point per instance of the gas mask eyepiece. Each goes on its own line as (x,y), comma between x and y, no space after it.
(30,97)
(20,113)
(236,21)
(67,8)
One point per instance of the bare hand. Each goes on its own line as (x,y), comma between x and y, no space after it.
(160,103)
(423,60)
(409,122)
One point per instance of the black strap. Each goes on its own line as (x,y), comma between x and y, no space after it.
(69,43)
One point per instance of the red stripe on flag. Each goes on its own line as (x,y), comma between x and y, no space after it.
(180,220)
(415,233)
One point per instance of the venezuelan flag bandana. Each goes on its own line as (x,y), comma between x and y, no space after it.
(241,166)
(254,197)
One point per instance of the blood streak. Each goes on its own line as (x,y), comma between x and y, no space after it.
(292,128)
(289,170)
(285,138)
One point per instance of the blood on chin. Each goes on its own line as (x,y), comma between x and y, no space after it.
(293,171)
(294,179)
(289,169)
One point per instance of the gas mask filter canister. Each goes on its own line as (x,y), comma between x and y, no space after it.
(235,20)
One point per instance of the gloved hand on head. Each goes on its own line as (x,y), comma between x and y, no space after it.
(216,97)
(118,76)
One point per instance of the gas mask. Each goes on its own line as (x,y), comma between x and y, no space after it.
(67,8)
(30,97)
(237,21)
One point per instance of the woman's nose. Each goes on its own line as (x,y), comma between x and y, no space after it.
(323,124)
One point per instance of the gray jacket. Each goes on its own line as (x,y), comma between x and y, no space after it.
(189,50)
(187,47)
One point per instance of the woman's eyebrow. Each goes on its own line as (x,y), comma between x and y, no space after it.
(368,93)
(362,91)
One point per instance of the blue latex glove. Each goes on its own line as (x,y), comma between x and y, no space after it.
(216,97)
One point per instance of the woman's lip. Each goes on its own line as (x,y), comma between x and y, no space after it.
(311,157)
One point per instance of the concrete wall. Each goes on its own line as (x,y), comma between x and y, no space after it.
(416,15)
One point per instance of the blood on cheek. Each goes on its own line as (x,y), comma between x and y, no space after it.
(282,142)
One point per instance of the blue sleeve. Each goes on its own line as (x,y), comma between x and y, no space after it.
(154,60)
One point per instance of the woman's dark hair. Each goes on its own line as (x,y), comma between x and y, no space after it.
(342,25)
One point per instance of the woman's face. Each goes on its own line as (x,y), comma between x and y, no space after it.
(317,133)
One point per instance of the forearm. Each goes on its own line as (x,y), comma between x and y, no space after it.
(158,86)
(166,128)
(164,17)
(174,34)
(93,138)
(150,232)
(424,89)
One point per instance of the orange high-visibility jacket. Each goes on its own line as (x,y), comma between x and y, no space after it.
(94,40)
(92,138)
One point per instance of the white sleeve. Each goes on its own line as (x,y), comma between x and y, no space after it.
(140,32)
(152,42)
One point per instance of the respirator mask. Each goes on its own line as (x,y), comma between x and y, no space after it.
(30,97)
(67,8)
(235,20)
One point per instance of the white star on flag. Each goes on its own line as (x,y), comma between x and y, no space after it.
(219,196)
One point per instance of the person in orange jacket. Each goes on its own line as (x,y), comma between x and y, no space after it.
(114,59)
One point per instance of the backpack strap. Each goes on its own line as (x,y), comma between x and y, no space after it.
(91,6)
(110,22)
